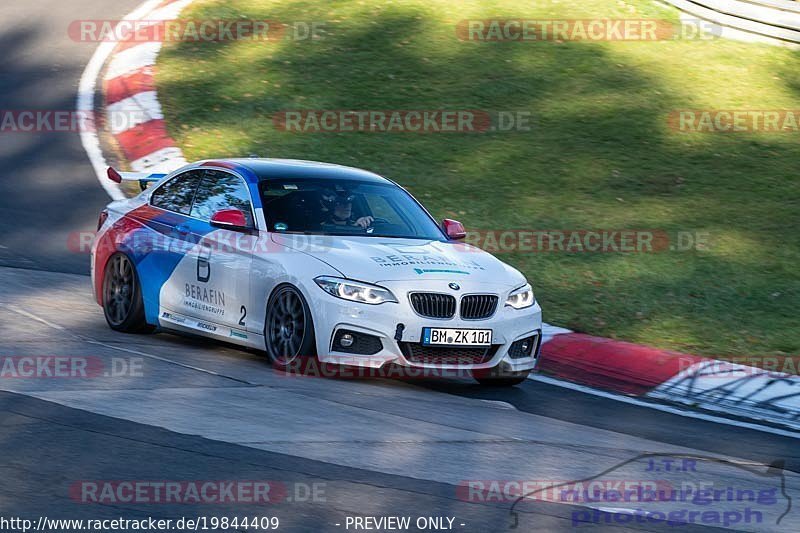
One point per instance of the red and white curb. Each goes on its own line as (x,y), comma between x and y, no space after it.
(130,92)
(649,373)
(633,372)
(131,105)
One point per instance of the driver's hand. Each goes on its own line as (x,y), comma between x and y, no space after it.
(364,222)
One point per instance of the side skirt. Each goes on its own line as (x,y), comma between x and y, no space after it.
(175,321)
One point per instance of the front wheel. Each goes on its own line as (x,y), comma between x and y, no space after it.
(500,377)
(289,329)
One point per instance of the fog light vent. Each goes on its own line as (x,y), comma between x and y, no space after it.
(354,342)
(524,347)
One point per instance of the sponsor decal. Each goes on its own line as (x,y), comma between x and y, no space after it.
(175,318)
(204,299)
(425,260)
(439,270)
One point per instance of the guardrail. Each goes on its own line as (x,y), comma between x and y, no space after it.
(773,21)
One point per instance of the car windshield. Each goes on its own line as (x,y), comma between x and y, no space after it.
(328,207)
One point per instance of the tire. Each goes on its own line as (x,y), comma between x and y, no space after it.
(289,330)
(500,377)
(123,305)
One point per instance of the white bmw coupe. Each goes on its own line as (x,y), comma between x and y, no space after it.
(311,260)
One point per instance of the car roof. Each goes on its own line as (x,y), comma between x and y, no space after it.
(296,169)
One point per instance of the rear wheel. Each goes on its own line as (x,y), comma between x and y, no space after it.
(500,377)
(123,305)
(289,329)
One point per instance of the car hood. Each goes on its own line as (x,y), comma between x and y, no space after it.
(376,259)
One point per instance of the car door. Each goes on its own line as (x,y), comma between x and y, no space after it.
(217,280)
(168,242)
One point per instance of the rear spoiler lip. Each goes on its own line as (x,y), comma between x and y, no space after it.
(144,178)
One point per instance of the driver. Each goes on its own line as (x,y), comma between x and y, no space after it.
(338,207)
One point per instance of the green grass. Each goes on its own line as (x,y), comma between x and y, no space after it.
(599,154)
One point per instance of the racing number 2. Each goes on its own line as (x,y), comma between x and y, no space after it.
(243,310)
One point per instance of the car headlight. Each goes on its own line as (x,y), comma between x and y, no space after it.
(355,291)
(521,298)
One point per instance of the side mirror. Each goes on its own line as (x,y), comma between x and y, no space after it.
(231,219)
(454,229)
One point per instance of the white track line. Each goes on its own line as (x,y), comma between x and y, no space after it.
(664,408)
(89,340)
(85,103)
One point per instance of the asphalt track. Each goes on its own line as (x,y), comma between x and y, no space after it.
(194,410)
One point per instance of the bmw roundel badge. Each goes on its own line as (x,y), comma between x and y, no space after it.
(454,286)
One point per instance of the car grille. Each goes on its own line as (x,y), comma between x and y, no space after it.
(433,305)
(478,306)
(444,355)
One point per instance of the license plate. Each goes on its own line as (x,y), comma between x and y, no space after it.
(456,337)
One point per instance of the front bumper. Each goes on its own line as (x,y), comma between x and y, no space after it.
(508,325)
